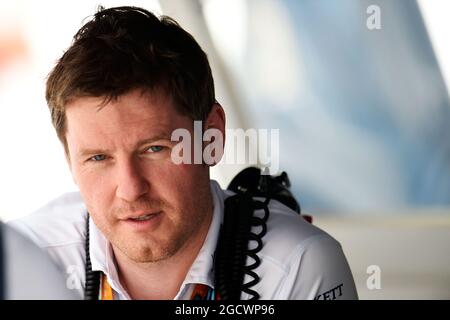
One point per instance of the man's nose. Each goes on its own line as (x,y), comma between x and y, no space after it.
(131,181)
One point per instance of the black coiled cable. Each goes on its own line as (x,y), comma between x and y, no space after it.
(231,250)
(233,247)
(236,233)
(252,253)
(92,281)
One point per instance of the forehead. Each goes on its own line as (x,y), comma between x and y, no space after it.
(134,115)
(129,104)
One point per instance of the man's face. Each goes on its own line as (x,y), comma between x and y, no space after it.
(119,154)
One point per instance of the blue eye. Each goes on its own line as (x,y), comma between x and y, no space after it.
(155,148)
(98,157)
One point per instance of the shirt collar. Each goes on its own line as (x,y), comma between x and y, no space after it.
(102,258)
(201,271)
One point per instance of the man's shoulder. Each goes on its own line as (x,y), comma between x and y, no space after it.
(289,233)
(284,222)
(61,221)
(287,229)
(298,260)
(30,272)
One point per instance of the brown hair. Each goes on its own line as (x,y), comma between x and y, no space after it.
(125,48)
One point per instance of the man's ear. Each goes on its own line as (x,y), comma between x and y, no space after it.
(214,132)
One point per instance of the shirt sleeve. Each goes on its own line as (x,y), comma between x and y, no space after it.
(30,272)
(320,271)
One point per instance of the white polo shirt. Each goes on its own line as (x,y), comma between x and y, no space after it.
(298,260)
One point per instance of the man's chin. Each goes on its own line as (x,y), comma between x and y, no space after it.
(147,254)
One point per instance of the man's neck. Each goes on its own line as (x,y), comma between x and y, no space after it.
(159,280)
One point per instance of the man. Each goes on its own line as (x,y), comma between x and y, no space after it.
(128,81)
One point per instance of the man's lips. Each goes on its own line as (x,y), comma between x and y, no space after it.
(141,216)
(143,222)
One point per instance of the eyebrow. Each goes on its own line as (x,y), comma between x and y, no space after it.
(87,152)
